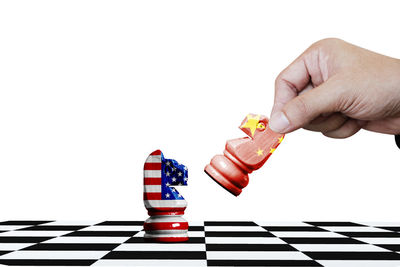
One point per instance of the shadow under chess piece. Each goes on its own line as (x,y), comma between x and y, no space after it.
(244,155)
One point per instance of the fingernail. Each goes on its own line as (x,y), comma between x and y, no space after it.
(279,122)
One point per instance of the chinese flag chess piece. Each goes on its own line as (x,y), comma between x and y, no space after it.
(164,203)
(244,155)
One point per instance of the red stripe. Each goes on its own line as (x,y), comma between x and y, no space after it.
(151,196)
(166,226)
(166,211)
(152,181)
(156,153)
(152,166)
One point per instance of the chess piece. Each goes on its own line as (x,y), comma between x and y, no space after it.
(244,155)
(164,203)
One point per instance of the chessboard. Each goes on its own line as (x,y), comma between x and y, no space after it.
(211,243)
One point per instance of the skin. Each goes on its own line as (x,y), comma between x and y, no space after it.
(337,88)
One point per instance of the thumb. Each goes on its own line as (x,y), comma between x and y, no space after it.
(303,108)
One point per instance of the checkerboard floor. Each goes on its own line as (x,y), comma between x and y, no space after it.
(211,243)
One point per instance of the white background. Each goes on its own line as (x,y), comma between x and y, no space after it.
(89,88)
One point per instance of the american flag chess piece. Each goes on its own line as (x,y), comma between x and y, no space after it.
(164,203)
(244,155)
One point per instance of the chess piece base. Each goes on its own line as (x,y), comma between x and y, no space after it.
(227,173)
(166,228)
(165,239)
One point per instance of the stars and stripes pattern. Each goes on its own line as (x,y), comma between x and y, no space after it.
(160,175)
(164,203)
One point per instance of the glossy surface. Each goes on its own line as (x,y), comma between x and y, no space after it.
(164,203)
(244,155)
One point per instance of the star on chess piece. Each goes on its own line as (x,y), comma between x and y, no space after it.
(244,155)
(164,203)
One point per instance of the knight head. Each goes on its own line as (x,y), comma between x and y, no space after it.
(254,124)
(175,173)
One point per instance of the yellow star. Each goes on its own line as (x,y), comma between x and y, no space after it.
(251,123)
(260,152)
(280,139)
(272,150)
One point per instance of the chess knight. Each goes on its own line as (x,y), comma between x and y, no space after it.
(164,203)
(244,155)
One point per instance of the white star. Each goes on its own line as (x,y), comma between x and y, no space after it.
(167,173)
(173,179)
(174,169)
(179,174)
(179,195)
(185,168)
(185,179)
(167,184)
(179,184)
(173,189)
(167,195)
(168,163)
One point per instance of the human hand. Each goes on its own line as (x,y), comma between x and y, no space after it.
(337,88)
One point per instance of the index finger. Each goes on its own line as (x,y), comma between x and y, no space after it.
(290,82)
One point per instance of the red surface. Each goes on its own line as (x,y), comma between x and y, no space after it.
(151,196)
(165,223)
(244,155)
(156,152)
(152,181)
(221,180)
(152,166)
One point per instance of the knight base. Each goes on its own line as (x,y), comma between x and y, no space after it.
(166,228)
(228,173)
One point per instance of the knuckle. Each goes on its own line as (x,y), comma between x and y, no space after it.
(278,80)
(338,134)
(331,135)
(347,130)
(324,46)
(328,42)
